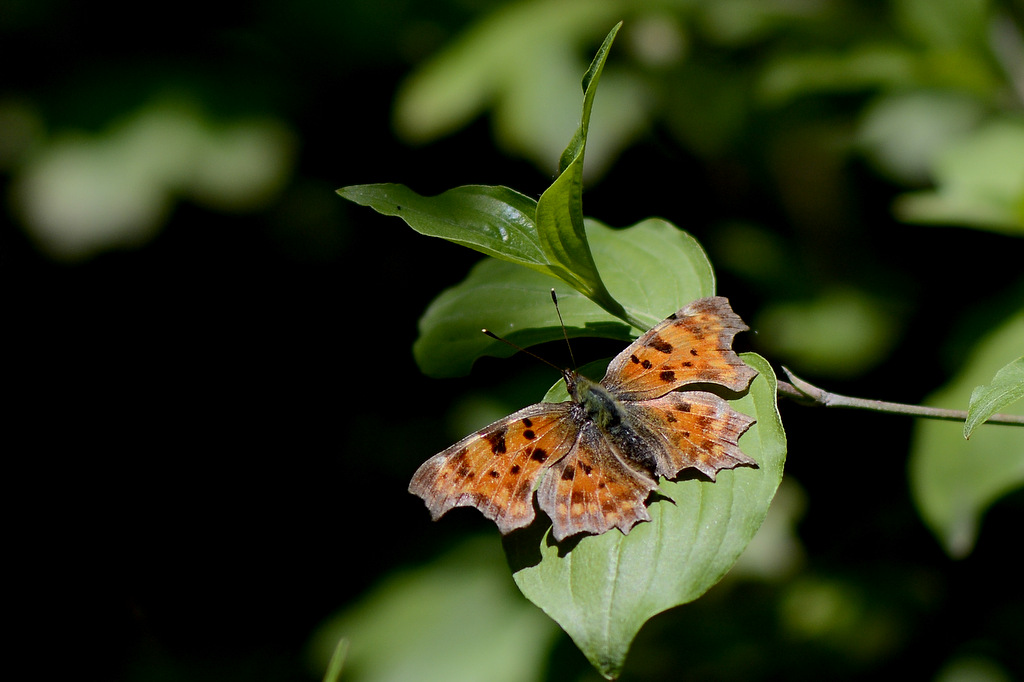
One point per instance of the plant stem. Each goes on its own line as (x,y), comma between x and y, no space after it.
(802,391)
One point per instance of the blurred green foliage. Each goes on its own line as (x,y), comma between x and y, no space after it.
(463,604)
(206,321)
(954,480)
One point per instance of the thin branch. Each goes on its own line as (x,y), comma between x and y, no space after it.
(809,394)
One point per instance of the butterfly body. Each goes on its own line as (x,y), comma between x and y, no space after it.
(598,407)
(594,459)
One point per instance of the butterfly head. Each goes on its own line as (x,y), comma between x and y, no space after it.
(572,381)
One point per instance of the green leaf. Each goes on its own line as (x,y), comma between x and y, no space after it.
(902,132)
(954,480)
(603,589)
(403,628)
(560,224)
(337,662)
(514,303)
(496,221)
(945,24)
(839,332)
(791,75)
(980,182)
(1006,388)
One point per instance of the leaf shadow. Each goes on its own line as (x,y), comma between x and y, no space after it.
(522,546)
(719,390)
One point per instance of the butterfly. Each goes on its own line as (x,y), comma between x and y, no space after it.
(593,461)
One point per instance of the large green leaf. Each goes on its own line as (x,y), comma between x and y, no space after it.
(602,589)
(514,302)
(955,480)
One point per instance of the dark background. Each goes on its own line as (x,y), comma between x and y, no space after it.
(212,432)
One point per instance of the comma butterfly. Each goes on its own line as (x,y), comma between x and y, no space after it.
(601,451)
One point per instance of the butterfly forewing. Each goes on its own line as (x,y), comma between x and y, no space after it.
(697,429)
(496,469)
(592,490)
(693,345)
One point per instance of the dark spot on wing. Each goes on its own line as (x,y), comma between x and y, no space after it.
(497,440)
(659,344)
(539,455)
(667,375)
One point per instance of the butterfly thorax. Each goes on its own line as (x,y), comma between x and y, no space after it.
(597,403)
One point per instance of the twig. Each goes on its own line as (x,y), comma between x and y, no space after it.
(802,391)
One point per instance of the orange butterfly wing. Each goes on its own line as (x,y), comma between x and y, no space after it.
(695,429)
(693,345)
(593,490)
(496,469)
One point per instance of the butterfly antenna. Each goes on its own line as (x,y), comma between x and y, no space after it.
(494,336)
(565,334)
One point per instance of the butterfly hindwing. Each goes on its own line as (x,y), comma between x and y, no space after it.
(693,345)
(592,490)
(696,429)
(496,468)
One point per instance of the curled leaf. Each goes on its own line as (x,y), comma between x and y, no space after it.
(1006,388)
